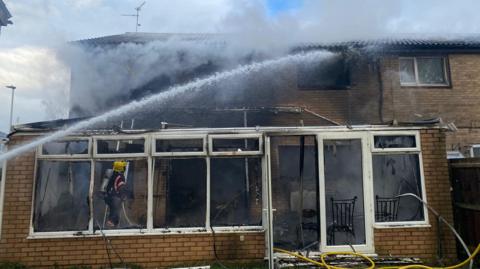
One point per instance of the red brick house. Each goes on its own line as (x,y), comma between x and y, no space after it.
(304,164)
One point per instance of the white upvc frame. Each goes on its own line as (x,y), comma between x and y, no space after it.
(76,233)
(472,147)
(391,151)
(212,137)
(179,137)
(145,152)
(64,156)
(416,134)
(368,247)
(415,68)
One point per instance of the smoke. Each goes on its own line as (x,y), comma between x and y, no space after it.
(106,76)
(263,26)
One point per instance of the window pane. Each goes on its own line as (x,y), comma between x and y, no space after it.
(396,174)
(344,192)
(407,70)
(65,147)
(120,146)
(236,192)
(120,207)
(431,70)
(236,144)
(61,196)
(179,145)
(398,141)
(476,152)
(179,193)
(296,221)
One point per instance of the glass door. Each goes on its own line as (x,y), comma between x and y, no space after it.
(343,164)
(294,192)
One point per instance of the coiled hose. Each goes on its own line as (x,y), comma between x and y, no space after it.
(323,263)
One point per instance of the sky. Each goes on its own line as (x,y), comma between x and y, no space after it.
(29,49)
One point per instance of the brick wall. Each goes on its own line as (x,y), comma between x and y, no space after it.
(422,242)
(146,250)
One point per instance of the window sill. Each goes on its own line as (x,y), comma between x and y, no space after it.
(444,86)
(176,231)
(401,225)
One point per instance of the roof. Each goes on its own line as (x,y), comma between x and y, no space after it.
(145,38)
(4,15)
(395,42)
(399,42)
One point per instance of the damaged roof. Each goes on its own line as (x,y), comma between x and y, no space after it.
(395,42)
(140,38)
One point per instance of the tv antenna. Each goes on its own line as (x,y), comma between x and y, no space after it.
(136,15)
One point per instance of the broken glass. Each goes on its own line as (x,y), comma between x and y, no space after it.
(179,145)
(394,141)
(296,219)
(393,175)
(120,146)
(235,144)
(179,193)
(65,147)
(344,192)
(62,196)
(128,208)
(329,74)
(236,192)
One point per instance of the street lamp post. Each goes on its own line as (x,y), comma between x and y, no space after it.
(11,106)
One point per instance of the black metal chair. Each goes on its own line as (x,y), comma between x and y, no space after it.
(386,208)
(342,217)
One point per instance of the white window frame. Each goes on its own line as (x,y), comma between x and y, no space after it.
(179,137)
(54,234)
(69,156)
(121,138)
(472,147)
(415,68)
(391,151)
(416,134)
(235,136)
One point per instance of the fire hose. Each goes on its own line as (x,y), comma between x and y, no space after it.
(323,263)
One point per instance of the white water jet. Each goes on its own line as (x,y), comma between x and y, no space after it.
(169,93)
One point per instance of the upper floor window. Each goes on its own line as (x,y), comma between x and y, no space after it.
(330,74)
(423,71)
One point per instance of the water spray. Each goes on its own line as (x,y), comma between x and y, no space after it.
(173,91)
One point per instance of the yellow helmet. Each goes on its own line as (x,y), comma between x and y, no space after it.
(119,166)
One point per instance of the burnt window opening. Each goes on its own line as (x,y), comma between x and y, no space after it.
(120,146)
(235,144)
(120,210)
(179,145)
(179,193)
(62,196)
(331,74)
(236,192)
(423,71)
(394,175)
(70,147)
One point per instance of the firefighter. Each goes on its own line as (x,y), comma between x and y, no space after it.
(114,190)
